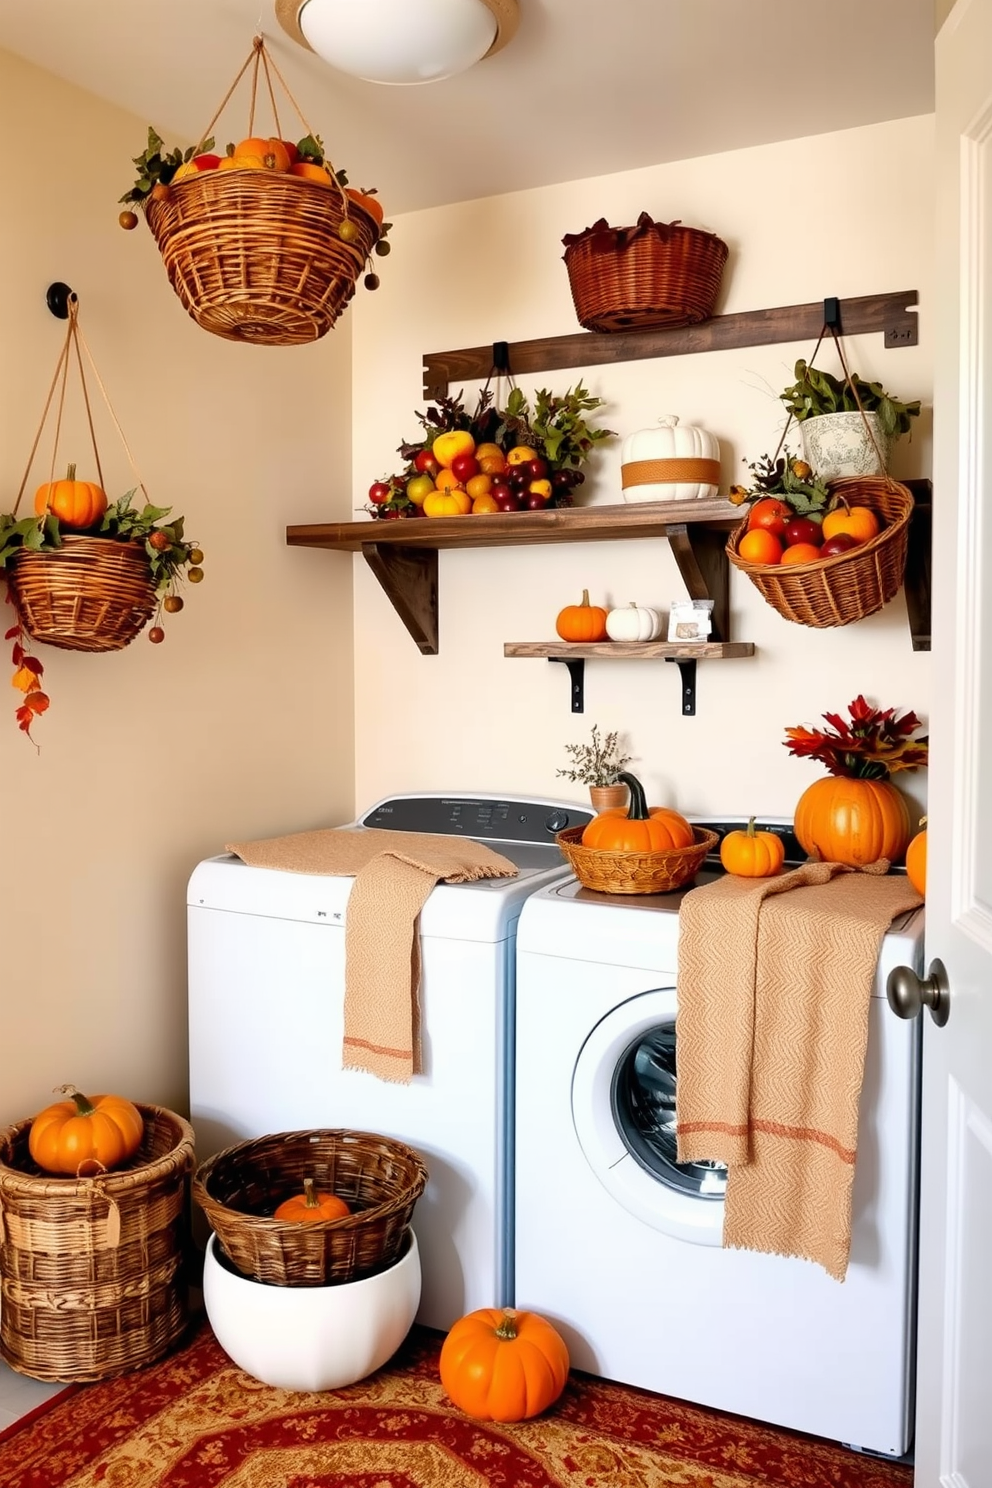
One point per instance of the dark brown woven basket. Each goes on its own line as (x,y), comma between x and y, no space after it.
(634,872)
(379,1178)
(852,585)
(653,274)
(80,1300)
(90,594)
(255,255)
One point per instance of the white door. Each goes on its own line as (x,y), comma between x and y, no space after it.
(954,1395)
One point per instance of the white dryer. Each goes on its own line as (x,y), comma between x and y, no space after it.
(620,1245)
(266,998)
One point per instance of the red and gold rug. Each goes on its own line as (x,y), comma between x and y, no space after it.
(196,1421)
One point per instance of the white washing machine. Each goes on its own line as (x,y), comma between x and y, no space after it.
(620,1246)
(266,998)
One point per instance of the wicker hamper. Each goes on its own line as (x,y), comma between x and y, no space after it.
(381,1179)
(92,1270)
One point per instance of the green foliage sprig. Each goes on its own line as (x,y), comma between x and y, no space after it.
(789,479)
(598,763)
(814,393)
(156,164)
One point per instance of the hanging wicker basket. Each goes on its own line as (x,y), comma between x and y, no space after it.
(652,274)
(850,586)
(91,594)
(255,254)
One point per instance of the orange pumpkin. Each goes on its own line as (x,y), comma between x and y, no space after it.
(751,854)
(81,1136)
(634,828)
(76,503)
(310,1206)
(271,152)
(581,622)
(501,1365)
(855,822)
(916,860)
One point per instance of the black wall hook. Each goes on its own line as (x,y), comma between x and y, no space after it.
(57,297)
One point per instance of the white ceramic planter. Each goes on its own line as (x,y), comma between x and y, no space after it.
(673,462)
(838,444)
(311,1338)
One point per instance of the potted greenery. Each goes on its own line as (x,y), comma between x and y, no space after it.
(598,765)
(846,425)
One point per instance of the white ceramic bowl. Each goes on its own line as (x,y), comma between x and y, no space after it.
(311,1338)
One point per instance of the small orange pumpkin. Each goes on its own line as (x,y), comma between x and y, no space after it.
(501,1365)
(634,828)
(84,1136)
(76,503)
(310,1206)
(271,152)
(852,821)
(751,854)
(916,859)
(368,201)
(582,622)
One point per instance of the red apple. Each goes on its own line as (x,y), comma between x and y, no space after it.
(426,463)
(507,503)
(538,469)
(463,467)
(379,492)
(206,162)
(499,490)
(803,530)
(534,501)
(841,542)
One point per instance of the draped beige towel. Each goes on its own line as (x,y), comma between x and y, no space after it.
(394,873)
(774,983)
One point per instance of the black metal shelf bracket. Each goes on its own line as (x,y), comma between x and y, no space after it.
(687,672)
(577,674)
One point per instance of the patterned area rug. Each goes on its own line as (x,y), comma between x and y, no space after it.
(196,1421)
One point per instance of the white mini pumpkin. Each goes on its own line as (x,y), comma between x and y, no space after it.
(633,622)
(673,462)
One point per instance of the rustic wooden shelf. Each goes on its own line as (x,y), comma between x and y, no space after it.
(403,554)
(574,655)
(889,313)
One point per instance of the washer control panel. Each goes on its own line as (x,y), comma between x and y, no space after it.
(501,818)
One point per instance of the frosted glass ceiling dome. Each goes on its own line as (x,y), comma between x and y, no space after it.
(400,41)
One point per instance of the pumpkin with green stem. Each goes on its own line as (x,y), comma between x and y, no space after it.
(635,827)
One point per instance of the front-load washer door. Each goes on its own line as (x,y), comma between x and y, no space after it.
(623,1109)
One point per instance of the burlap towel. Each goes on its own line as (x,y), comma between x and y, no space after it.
(394,873)
(774,983)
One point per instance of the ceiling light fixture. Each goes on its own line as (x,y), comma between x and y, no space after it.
(400,41)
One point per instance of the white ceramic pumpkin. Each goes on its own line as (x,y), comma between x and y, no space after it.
(673,462)
(633,622)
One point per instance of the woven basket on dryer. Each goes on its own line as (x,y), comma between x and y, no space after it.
(379,1178)
(255,254)
(635,872)
(651,274)
(93,1270)
(849,586)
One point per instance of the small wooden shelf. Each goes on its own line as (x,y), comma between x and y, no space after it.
(574,655)
(403,554)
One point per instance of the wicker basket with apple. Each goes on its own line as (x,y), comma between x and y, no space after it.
(518,458)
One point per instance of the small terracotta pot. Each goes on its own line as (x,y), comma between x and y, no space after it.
(603,796)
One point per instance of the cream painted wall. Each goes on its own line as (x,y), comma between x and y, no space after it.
(241,722)
(844,214)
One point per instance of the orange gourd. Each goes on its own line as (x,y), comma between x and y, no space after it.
(76,503)
(852,821)
(83,1136)
(751,854)
(582,622)
(368,201)
(916,860)
(454,502)
(310,1206)
(501,1365)
(271,152)
(635,828)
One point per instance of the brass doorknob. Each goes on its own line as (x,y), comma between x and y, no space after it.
(908,995)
